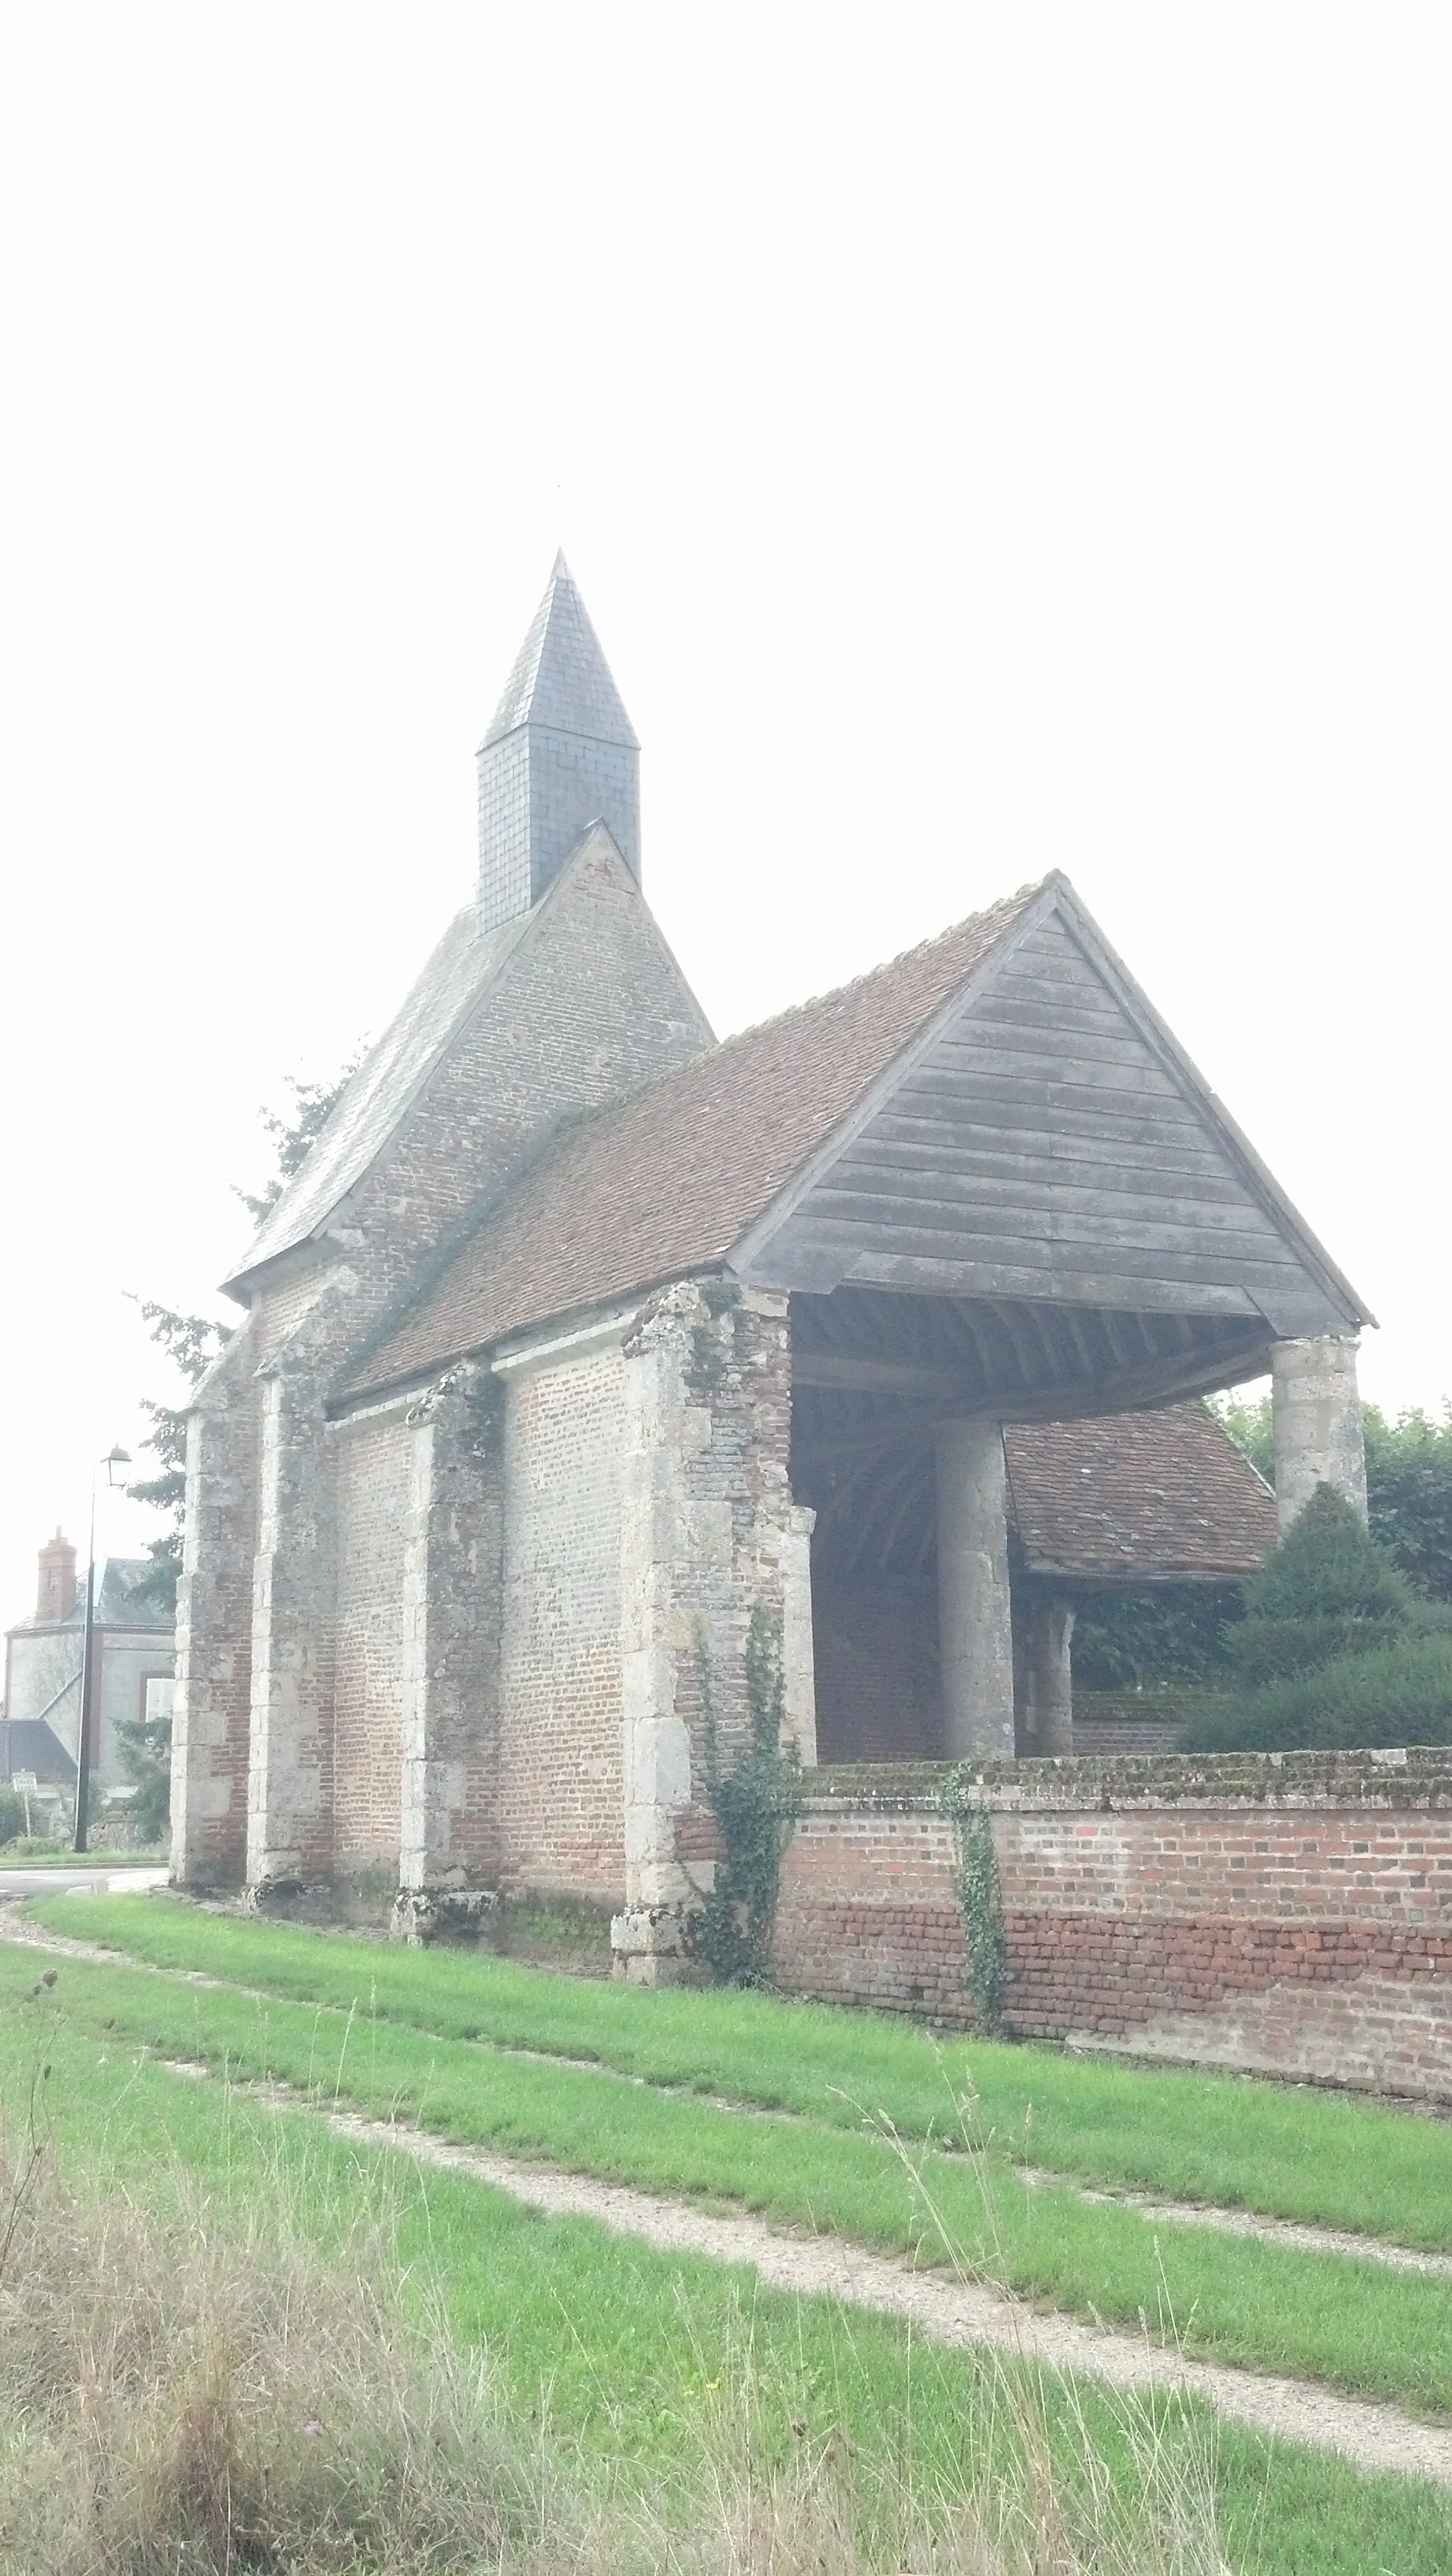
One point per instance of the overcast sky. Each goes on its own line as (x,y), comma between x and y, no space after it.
(988,439)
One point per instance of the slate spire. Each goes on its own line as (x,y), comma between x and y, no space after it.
(559,755)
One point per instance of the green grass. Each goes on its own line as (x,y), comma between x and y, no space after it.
(622,2344)
(1352,2323)
(1220,2139)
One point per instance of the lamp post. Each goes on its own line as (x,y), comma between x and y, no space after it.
(114,1458)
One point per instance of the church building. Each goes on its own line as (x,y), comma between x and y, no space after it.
(583,1352)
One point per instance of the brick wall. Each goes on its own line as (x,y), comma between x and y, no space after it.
(560,1810)
(1290,1915)
(878,1685)
(373,1494)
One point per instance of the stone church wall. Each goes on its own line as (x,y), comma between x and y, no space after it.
(559,1790)
(1287,1915)
(588,1007)
(373,1475)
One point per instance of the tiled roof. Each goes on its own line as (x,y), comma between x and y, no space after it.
(391,1075)
(1128,1497)
(665,1183)
(561,678)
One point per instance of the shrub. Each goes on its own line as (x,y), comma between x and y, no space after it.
(1327,1591)
(12,1815)
(1401,1693)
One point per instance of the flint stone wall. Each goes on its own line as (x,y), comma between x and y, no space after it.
(1285,1914)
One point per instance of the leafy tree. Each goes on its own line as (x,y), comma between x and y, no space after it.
(1409,1494)
(295,1132)
(1160,1634)
(193,1342)
(1408,1482)
(1250,1427)
(144,1747)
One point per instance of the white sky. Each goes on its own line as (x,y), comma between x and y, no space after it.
(987,438)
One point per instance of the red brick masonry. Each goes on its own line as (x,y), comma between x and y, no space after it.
(1290,1914)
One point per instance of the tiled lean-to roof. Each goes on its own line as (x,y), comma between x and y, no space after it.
(665,1183)
(1136,1496)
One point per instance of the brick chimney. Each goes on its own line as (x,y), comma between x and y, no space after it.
(56,1591)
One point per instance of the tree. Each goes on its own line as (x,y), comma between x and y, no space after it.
(1408,1482)
(193,1342)
(294,1135)
(1329,1589)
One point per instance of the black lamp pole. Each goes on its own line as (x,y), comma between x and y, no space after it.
(115,1458)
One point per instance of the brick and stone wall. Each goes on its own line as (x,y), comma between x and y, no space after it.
(374,1461)
(559,1792)
(1289,1914)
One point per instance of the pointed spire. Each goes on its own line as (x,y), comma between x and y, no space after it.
(561,678)
(559,755)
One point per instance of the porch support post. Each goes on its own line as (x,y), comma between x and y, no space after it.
(1049,1626)
(974,1633)
(1316,1420)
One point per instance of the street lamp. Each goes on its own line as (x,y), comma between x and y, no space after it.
(114,1458)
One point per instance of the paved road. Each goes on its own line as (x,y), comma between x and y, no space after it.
(106,1880)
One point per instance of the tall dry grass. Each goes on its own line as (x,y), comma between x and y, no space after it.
(195,2389)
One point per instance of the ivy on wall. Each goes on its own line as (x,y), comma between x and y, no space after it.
(980,1897)
(754,1803)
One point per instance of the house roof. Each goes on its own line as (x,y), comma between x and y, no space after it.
(118,1581)
(1138,1497)
(28,1744)
(666,1182)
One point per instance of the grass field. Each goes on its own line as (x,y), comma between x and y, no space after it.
(633,2355)
(1224,2140)
(1353,2323)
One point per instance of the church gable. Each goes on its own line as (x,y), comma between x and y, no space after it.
(553,992)
(1048,1142)
(580,1004)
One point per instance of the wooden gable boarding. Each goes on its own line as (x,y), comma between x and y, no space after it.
(1044,1138)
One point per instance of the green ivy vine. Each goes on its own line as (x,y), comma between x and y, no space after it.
(754,1804)
(980,1898)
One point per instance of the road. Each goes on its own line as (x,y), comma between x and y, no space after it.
(100,1879)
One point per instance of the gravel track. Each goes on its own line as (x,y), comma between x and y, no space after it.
(1377,2436)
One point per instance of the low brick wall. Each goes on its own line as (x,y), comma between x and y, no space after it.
(1289,1914)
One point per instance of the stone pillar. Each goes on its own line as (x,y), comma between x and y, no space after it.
(452,1588)
(974,1631)
(214,1629)
(289,1830)
(1316,1416)
(655,1741)
(799,1690)
(1048,1628)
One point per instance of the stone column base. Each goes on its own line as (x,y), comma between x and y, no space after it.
(423,1914)
(647,1945)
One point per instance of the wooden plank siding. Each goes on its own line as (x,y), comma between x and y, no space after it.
(1045,1147)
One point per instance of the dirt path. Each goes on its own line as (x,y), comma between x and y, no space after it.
(1245,2222)
(1376,2436)
(1180,2213)
(951,2311)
